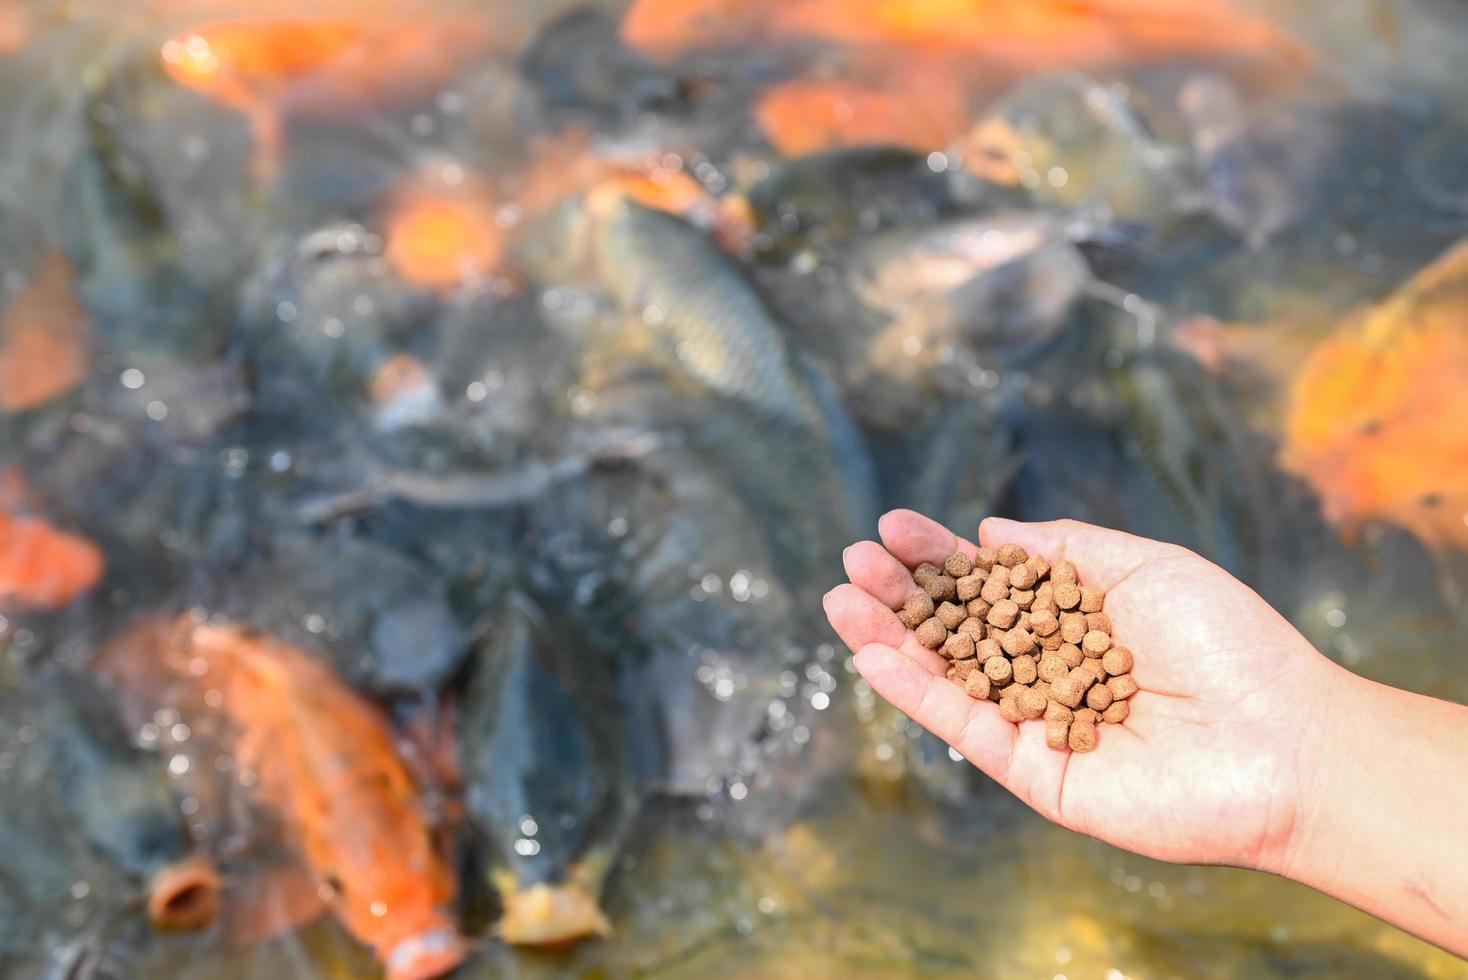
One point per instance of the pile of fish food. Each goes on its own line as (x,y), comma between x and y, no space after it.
(1028,635)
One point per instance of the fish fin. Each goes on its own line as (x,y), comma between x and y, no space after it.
(270,901)
(268,129)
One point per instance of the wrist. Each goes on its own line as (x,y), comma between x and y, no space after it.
(1330,729)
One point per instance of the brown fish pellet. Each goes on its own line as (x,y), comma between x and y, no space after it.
(1117,661)
(1122,687)
(1052,642)
(976,685)
(1022,597)
(977,608)
(917,610)
(996,633)
(973,628)
(1087,716)
(1052,668)
(1055,711)
(1095,643)
(1063,573)
(1022,577)
(931,633)
(1018,643)
(1068,691)
(1091,599)
(1072,627)
(1043,687)
(961,668)
(999,669)
(958,646)
(1004,614)
(941,587)
(1098,621)
(1117,713)
(1010,555)
(1009,709)
(958,564)
(1099,697)
(1023,622)
(1071,654)
(1097,672)
(924,572)
(969,587)
(1057,733)
(986,558)
(1025,671)
(989,648)
(1043,623)
(1067,595)
(1032,703)
(1038,565)
(950,615)
(996,587)
(1082,736)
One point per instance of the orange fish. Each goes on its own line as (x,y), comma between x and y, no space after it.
(43,339)
(441,235)
(328,763)
(1376,421)
(917,111)
(974,37)
(42,567)
(667,27)
(270,68)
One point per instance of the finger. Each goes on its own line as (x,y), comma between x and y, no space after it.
(1103,556)
(974,728)
(913,539)
(859,619)
(872,568)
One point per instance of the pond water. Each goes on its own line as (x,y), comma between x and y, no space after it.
(427,430)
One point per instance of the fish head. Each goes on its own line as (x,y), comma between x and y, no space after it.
(184,894)
(550,915)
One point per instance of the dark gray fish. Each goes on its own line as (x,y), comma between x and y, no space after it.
(835,195)
(579,67)
(117,799)
(776,427)
(549,789)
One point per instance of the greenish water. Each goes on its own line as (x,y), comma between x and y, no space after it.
(860,850)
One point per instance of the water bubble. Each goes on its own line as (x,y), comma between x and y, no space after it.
(80,890)
(179,732)
(954,754)
(378,908)
(738,791)
(1063,955)
(333,327)
(1057,177)
(937,162)
(820,701)
(188,806)
(132,379)
(883,752)
(528,826)
(214,697)
(476,391)
(1335,617)
(767,905)
(525,847)
(178,765)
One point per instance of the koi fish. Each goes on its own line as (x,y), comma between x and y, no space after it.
(328,763)
(43,339)
(1375,420)
(43,567)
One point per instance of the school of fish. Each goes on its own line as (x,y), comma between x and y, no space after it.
(425,436)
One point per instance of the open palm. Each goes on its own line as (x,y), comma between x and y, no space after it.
(1204,770)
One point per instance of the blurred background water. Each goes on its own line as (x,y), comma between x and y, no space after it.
(426,431)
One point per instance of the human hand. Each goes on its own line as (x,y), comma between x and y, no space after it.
(1207,768)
